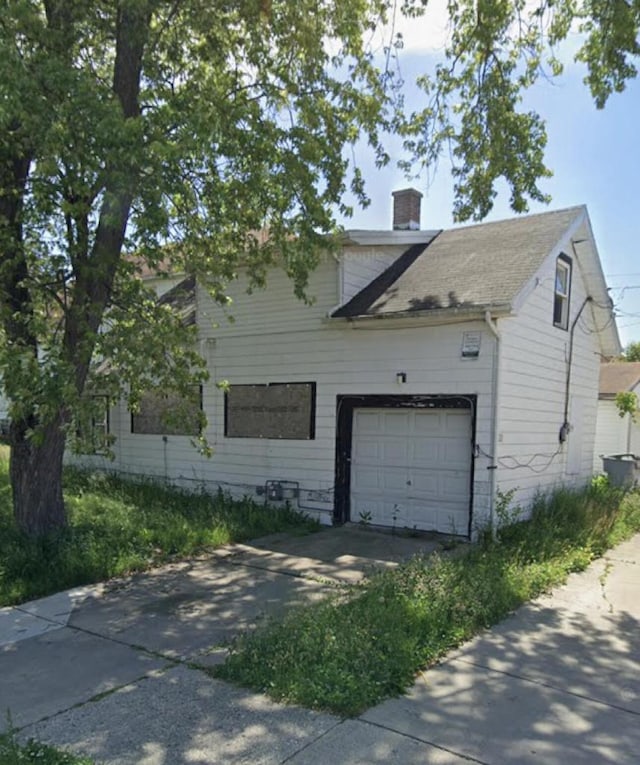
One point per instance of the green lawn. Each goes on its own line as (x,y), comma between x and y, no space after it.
(347,653)
(119,526)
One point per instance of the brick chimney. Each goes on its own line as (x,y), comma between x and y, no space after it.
(406,210)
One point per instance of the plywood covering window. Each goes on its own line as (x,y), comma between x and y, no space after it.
(168,414)
(273,410)
(562,291)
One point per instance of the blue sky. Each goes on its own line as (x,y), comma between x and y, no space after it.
(595,157)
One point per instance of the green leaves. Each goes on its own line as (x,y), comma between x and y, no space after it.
(631,352)
(498,49)
(186,131)
(141,132)
(627,403)
(474,108)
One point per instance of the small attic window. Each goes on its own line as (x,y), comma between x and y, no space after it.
(562,291)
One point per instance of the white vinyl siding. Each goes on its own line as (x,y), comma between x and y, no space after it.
(270,311)
(361,265)
(534,364)
(276,338)
(614,434)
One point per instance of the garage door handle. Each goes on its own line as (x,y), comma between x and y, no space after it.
(408,483)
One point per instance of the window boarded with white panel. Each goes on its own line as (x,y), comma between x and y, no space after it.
(411,468)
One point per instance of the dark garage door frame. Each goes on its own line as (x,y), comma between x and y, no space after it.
(345,406)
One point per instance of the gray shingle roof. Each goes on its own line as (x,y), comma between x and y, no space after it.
(472,266)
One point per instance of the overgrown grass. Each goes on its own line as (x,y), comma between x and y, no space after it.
(12,753)
(118,526)
(348,653)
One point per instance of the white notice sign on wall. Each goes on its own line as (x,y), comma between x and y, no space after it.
(471,344)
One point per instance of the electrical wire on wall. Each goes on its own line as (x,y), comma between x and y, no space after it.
(509,462)
(248,488)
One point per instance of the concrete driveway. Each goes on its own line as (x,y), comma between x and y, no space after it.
(112,670)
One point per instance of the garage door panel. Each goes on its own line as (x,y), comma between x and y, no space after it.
(394,481)
(369,509)
(366,451)
(421,516)
(395,452)
(432,424)
(412,468)
(456,424)
(365,478)
(425,484)
(395,422)
(452,457)
(429,451)
(369,422)
(453,521)
(454,487)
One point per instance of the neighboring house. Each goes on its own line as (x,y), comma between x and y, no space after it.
(615,434)
(434,371)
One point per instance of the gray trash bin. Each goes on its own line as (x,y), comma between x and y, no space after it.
(622,469)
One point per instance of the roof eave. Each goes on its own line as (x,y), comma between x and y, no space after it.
(431,316)
(388,236)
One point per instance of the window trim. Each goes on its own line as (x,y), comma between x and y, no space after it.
(565,263)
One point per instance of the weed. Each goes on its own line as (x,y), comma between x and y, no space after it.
(353,650)
(118,526)
(13,753)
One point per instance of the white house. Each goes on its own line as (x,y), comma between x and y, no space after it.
(434,370)
(615,434)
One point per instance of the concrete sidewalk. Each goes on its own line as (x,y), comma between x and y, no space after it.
(558,682)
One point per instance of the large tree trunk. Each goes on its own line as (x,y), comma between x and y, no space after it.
(36,478)
(37,451)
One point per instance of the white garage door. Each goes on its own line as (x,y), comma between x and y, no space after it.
(411,468)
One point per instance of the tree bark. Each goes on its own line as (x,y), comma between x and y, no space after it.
(37,445)
(35,469)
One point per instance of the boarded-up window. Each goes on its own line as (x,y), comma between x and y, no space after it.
(168,414)
(275,410)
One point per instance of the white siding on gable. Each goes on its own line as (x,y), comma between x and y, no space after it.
(534,367)
(359,266)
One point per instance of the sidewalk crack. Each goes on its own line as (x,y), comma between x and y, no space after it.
(455,752)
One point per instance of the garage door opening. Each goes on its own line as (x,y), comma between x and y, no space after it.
(406,462)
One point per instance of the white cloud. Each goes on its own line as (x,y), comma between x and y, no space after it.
(426,34)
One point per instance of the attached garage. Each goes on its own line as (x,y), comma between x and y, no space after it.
(407,464)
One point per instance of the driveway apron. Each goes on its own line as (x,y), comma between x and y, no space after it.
(119,675)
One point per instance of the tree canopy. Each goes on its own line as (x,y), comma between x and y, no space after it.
(496,51)
(632,352)
(137,132)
